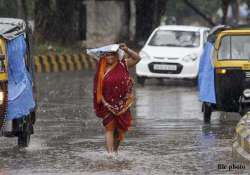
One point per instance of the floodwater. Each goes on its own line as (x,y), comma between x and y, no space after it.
(168,135)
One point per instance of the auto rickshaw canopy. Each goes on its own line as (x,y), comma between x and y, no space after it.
(11,28)
(20,96)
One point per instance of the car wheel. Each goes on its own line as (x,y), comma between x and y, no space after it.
(23,139)
(207,112)
(141,80)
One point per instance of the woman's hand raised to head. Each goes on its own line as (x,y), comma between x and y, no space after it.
(124,47)
(133,58)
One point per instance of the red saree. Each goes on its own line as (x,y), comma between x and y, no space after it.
(115,89)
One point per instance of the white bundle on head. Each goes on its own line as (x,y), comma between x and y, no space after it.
(97,52)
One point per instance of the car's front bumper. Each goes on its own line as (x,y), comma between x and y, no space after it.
(184,70)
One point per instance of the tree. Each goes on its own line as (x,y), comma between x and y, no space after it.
(8,8)
(22,10)
(225,5)
(148,16)
(43,16)
(55,20)
(235,11)
(199,12)
(65,29)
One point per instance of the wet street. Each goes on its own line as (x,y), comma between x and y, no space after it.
(168,135)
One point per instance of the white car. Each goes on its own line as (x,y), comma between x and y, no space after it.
(172,51)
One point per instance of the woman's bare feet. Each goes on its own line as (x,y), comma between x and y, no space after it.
(116,140)
(110,141)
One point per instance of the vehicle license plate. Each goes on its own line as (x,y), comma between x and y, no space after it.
(165,67)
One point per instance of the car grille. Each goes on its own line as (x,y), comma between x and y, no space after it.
(167,58)
(177,71)
(172,58)
(159,58)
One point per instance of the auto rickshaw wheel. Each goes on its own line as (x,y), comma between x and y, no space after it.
(207,112)
(141,80)
(3,107)
(23,139)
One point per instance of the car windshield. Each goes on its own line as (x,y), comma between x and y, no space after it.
(175,38)
(234,47)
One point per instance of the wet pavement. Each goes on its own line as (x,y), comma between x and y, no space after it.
(168,135)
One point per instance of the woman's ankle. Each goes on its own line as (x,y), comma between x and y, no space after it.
(116,145)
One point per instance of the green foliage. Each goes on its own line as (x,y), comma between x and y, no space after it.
(8,8)
(30,8)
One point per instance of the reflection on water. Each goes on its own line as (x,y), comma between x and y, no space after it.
(161,102)
(168,135)
(170,117)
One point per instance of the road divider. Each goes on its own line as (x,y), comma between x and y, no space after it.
(63,62)
(241,143)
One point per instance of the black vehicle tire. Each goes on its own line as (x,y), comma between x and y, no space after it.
(24,134)
(141,80)
(23,139)
(195,81)
(207,112)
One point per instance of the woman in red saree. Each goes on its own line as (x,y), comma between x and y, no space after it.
(113,94)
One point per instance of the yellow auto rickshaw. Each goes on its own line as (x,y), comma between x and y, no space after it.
(224,71)
(17,98)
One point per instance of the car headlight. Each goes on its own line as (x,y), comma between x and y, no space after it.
(1,97)
(190,58)
(144,55)
(246,93)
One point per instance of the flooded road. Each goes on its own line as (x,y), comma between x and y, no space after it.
(168,135)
